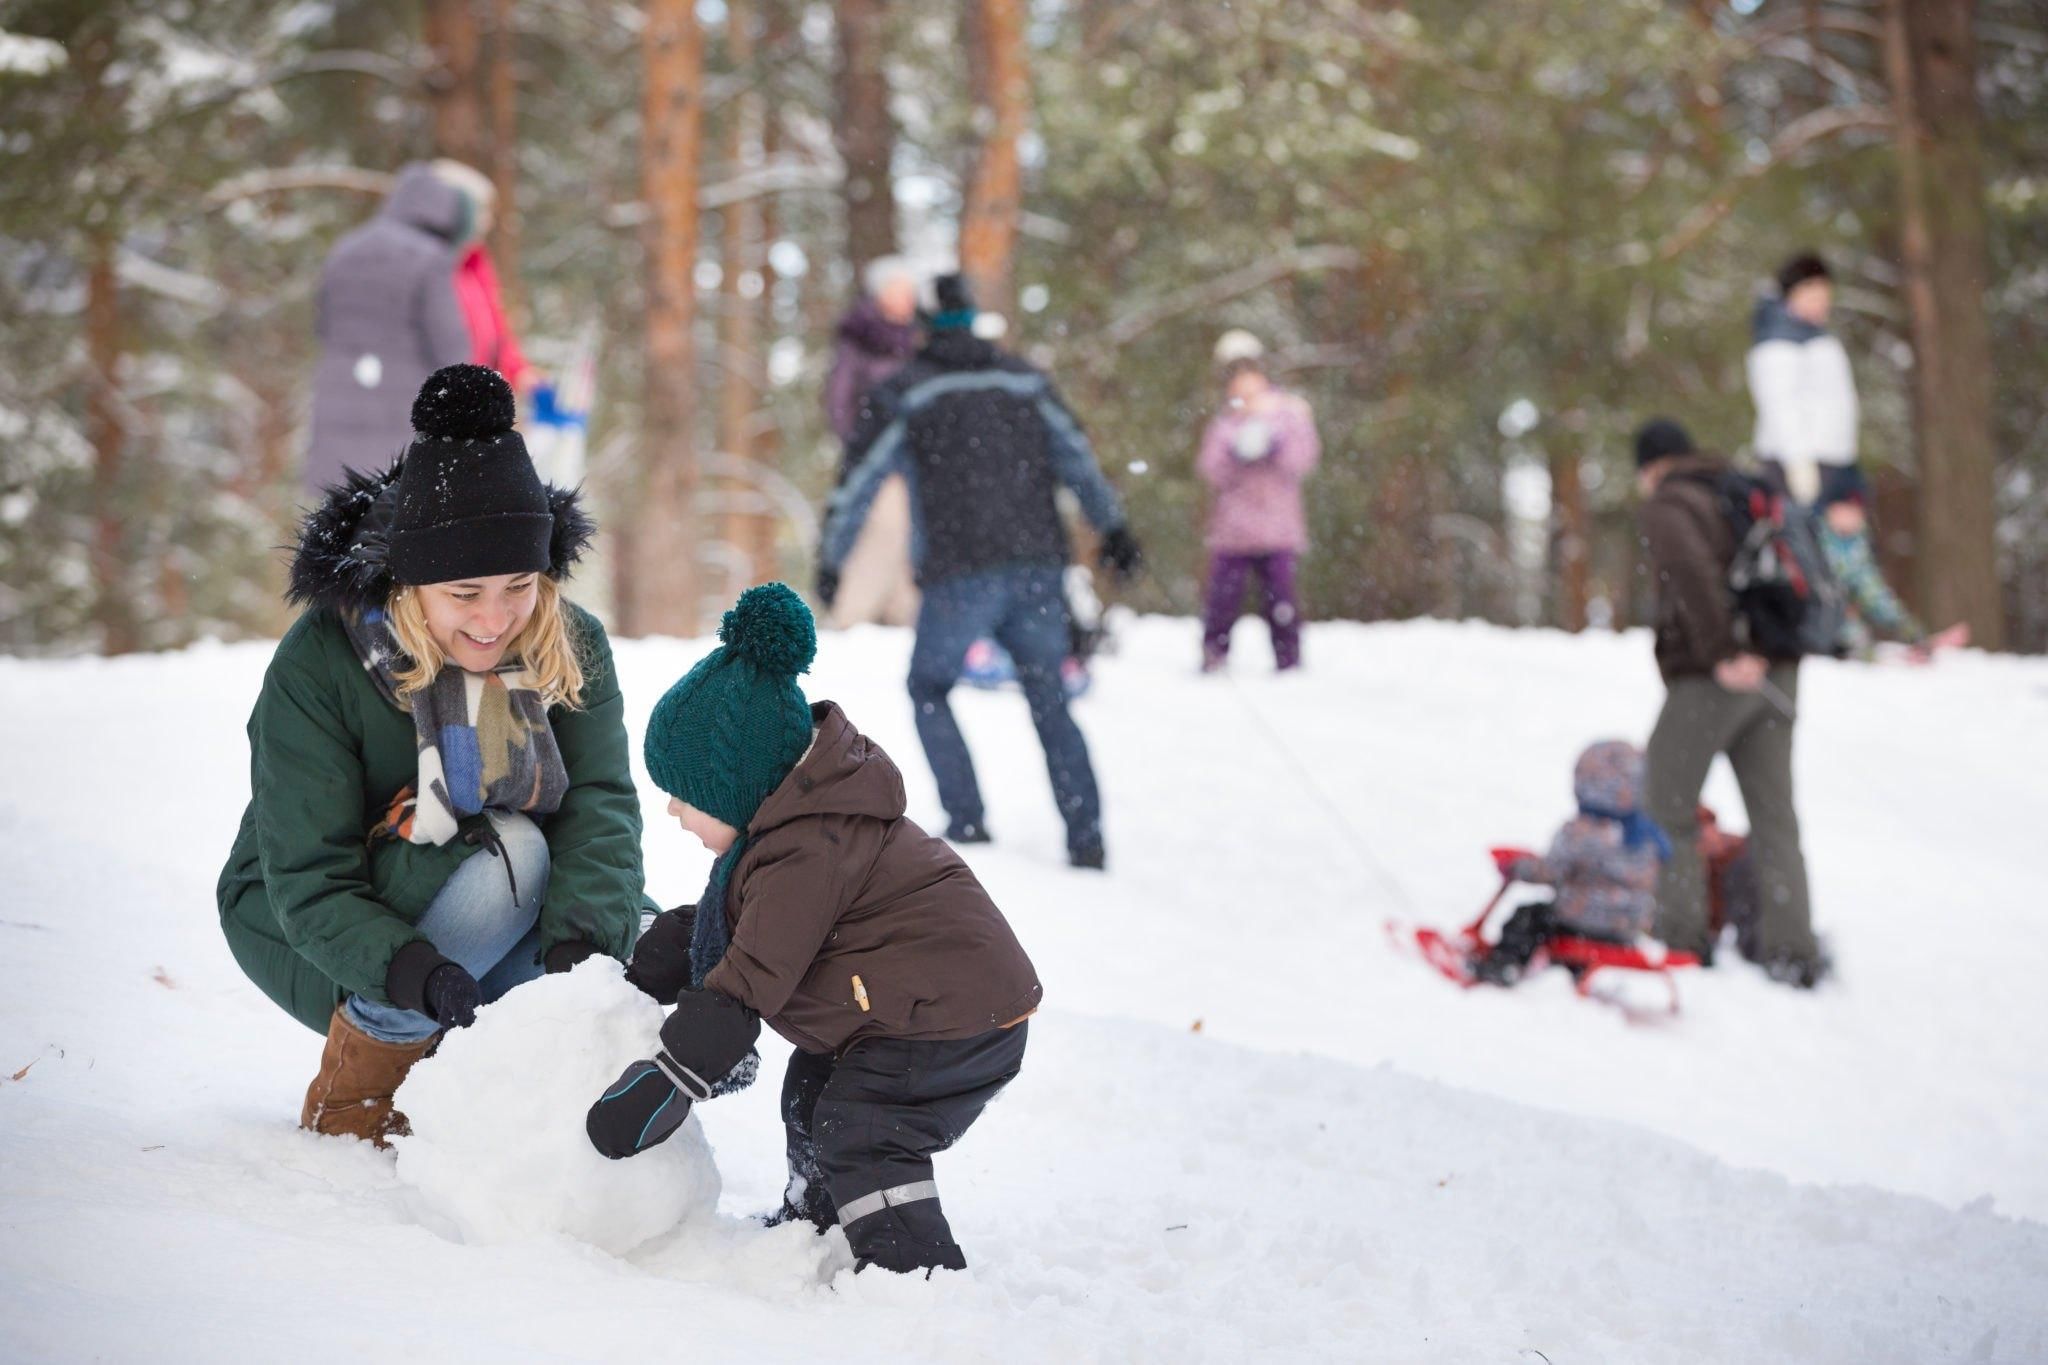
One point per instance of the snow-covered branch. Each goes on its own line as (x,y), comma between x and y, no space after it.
(1135,322)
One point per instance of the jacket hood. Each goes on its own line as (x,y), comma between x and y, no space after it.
(342,558)
(843,773)
(1772,321)
(1609,778)
(1700,468)
(960,350)
(866,327)
(423,200)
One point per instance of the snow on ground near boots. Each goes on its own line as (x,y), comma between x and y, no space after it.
(1351,1160)
(498,1152)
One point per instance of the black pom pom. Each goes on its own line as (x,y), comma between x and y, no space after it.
(464,402)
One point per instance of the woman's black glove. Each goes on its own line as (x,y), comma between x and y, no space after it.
(707,1050)
(567,954)
(661,959)
(451,996)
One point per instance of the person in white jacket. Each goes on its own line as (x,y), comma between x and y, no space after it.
(1799,378)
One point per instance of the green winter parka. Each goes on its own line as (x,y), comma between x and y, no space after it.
(312,910)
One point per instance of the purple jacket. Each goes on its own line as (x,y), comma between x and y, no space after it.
(1255,462)
(870,349)
(387,318)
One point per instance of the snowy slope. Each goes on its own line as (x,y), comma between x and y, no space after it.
(1350,1160)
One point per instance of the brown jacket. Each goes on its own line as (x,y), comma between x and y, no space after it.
(835,884)
(1690,543)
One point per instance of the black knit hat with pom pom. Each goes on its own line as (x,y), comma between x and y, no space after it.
(469,502)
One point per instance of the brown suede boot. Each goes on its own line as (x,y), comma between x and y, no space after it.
(351,1096)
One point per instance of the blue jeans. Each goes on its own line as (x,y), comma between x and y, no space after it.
(1024,609)
(475,920)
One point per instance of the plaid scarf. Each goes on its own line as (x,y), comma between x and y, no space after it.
(484,740)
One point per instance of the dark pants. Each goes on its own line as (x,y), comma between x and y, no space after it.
(1701,719)
(1531,927)
(1025,611)
(862,1128)
(1277,603)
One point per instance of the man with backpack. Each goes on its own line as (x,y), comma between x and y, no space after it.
(1729,623)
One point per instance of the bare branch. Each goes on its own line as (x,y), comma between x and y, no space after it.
(1207,293)
(286,179)
(1794,138)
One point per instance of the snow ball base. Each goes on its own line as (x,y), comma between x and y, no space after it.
(498,1152)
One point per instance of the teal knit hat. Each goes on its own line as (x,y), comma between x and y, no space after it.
(732,728)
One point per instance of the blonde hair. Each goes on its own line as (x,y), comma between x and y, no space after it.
(545,646)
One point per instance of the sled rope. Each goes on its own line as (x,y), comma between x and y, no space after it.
(1304,776)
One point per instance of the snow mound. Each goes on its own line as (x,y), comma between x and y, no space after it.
(498,1152)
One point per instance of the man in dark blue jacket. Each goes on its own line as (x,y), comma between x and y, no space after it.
(984,443)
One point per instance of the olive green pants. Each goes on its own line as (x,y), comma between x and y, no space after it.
(1701,719)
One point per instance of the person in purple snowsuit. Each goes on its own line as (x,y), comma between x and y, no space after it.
(1254,456)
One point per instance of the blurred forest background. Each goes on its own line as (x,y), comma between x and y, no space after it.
(1485,239)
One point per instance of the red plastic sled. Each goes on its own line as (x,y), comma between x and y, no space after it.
(1455,955)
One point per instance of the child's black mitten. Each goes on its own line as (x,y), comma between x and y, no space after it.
(707,1050)
(709,1034)
(661,959)
(642,1109)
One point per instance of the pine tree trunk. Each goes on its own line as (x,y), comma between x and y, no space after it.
(454,86)
(1571,538)
(739,394)
(106,427)
(657,582)
(866,133)
(1931,52)
(502,87)
(1000,85)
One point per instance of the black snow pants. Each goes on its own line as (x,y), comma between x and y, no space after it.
(862,1129)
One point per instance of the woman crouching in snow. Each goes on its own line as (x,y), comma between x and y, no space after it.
(438,699)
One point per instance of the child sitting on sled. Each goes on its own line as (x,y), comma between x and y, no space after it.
(1603,865)
(861,939)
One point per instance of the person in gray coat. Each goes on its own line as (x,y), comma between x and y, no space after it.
(387,318)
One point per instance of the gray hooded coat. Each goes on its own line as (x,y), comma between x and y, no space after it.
(387,318)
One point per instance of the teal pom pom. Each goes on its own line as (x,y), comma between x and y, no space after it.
(771,628)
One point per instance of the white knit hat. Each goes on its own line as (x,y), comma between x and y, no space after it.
(1238,344)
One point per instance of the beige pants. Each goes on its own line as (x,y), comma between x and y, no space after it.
(876,583)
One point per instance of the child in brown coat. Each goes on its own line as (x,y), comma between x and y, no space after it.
(861,939)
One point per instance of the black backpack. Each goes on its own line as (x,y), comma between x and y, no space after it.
(1787,601)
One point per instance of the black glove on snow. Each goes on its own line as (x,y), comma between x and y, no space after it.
(710,1034)
(640,1110)
(828,584)
(661,959)
(1120,551)
(451,996)
(565,955)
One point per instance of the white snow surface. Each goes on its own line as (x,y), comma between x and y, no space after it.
(498,1152)
(1349,1159)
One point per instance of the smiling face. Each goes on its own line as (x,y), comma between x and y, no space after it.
(475,620)
(711,831)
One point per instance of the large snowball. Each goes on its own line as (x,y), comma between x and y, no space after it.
(498,1151)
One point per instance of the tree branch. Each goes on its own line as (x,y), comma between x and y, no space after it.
(1794,138)
(1305,260)
(285,179)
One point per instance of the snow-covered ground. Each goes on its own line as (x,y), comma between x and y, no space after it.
(1245,1129)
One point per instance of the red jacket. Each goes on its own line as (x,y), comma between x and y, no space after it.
(492,341)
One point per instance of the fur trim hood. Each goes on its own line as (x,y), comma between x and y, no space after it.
(341,559)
